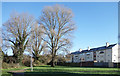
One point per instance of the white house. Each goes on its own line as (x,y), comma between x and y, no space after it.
(108,53)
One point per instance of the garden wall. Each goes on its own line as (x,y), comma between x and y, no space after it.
(101,64)
(81,64)
(90,64)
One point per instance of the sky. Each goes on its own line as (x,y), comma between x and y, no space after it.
(96,22)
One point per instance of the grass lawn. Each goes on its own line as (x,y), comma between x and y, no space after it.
(46,70)
(71,71)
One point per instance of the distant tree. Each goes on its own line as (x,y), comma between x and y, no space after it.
(1,52)
(61,59)
(0,39)
(26,60)
(16,33)
(57,24)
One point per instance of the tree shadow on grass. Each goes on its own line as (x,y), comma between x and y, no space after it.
(72,70)
(63,72)
(58,74)
(6,75)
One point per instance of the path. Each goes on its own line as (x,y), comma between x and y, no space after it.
(22,70)
(18,72)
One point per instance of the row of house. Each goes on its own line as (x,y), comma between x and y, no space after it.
(107,53)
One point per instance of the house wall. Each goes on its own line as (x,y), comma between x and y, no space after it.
(82,57)
(118,53)
(89,56)
(104,57)
(109,55)
(79,57)
(76,58)
(100,57)
(115,54)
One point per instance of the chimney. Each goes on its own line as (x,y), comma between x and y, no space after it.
(88,48)
(80,49)
(107,44)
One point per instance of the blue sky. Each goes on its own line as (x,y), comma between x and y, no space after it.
(97,22)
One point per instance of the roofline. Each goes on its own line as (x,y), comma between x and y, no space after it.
(84,51)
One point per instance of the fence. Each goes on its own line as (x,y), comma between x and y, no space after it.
(101,64)
(81,64)
(90,64)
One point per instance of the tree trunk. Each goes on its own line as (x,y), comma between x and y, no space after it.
(53,61)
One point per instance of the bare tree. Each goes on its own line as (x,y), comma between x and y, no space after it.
(57,24)
(0,39)
(1,52)
(38,45)
(16,32)
(1,44)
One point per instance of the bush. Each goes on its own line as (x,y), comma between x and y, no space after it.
(26,60)
(42,60)
(27,63)
(10,65)
(37,63)
(61,59)
(10,59)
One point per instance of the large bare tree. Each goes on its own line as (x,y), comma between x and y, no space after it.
(57,24)
(38,45)
(16,32)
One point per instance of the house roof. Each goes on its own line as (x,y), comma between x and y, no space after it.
(94,49)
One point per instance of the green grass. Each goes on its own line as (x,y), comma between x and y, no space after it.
(46,70)
(71,71)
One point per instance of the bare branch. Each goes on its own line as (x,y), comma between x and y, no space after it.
(57,23)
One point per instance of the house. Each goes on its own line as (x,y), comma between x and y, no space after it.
(107,53)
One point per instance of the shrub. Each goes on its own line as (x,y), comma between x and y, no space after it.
(26,60)
(10,59)
(10,65)
(37,63)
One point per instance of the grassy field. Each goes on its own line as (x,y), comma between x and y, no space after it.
(68,71)
(71,71)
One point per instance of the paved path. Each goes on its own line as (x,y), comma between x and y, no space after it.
(18,72)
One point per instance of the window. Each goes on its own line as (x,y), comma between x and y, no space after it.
(81,59)
(101,52)
(94,58)
(76,56)
(88,53)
